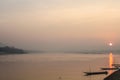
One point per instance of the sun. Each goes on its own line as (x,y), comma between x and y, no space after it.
(110,44)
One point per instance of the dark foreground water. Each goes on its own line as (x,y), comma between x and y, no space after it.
(52,66)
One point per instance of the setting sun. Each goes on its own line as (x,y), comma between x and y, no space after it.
(110,44)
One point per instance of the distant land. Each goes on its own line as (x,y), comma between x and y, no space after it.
(10,50)
(94,51)
(13,50)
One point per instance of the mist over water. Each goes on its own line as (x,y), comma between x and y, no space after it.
(52,66)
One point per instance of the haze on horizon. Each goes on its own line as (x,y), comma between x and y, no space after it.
(56,25)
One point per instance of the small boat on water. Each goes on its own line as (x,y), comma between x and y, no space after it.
(110,68)
(95,73)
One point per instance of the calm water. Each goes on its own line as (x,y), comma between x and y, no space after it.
(52,66)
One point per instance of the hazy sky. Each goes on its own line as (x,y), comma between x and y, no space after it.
(60,24)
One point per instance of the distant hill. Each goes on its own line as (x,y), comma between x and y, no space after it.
(2,45)
(10,50)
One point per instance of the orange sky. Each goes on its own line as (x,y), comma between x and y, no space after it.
(60,24)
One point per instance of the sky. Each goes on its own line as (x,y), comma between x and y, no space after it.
(60,25)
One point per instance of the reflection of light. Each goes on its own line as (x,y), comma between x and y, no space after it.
(110,60)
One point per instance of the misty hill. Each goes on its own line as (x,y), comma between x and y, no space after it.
(10,50)
(2,45)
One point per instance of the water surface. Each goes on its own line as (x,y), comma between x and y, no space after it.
(52,66)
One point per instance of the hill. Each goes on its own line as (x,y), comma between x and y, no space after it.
(10,50)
